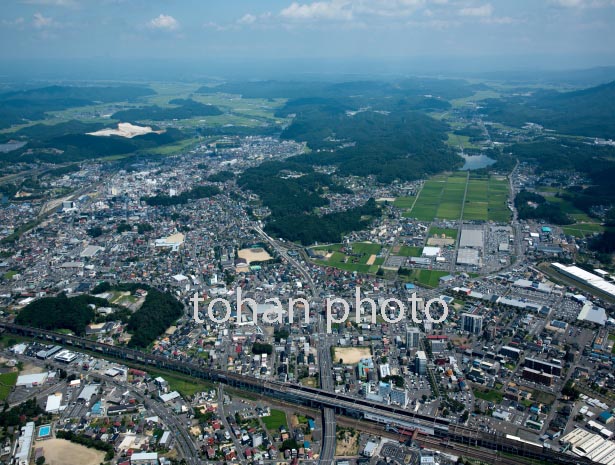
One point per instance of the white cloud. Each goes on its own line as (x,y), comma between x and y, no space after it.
(583,3)
(478,11)
(164,22)
(247,19)
(337,10)
(41,21)
(50,2)
(12,22)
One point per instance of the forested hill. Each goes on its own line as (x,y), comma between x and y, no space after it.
(33,104)
(588,112)
(402,145)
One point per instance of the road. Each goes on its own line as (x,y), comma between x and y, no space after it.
(327,451)
(460,225)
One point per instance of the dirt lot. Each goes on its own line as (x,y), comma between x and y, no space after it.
(62,452)
(347,444)
(256,254)
(351,355)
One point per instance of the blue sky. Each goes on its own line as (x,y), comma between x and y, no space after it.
(280,29)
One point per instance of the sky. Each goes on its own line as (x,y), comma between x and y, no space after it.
(564,33)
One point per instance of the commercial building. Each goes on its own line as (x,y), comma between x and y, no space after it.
(466,256)
(413,337)
(592,313)
(53,403)
(472,323)
(66,356)
(473,238)
(420,363)
(34,379)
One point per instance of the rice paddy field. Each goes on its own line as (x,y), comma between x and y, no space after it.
(442,198)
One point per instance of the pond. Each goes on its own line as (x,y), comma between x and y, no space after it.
(476,162)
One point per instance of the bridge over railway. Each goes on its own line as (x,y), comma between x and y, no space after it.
(341,403)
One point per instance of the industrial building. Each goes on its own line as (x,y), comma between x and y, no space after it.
(590,445)
(585,277)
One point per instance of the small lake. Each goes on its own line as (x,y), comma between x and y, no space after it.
(476,162)
(5,148)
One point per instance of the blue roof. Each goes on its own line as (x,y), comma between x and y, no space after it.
(605,415)
(409,286)
(546,229)
(311,423)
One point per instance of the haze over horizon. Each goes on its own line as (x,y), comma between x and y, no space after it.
(340,35)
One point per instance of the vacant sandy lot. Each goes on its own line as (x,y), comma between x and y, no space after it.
(351,354)
(63,452)
(254,255)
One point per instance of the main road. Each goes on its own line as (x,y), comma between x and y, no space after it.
(327,450)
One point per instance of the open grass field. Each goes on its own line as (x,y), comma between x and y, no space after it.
(456,140)
(7,381)
(427,278)
(186,386)
(488,395)
(409,251)
(275,420)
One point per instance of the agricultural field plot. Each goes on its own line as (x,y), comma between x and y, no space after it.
(486,200)
(584,224)
(427,204)
(452,198)
(583,229)
(498,198)
(404,202)
(359,256)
